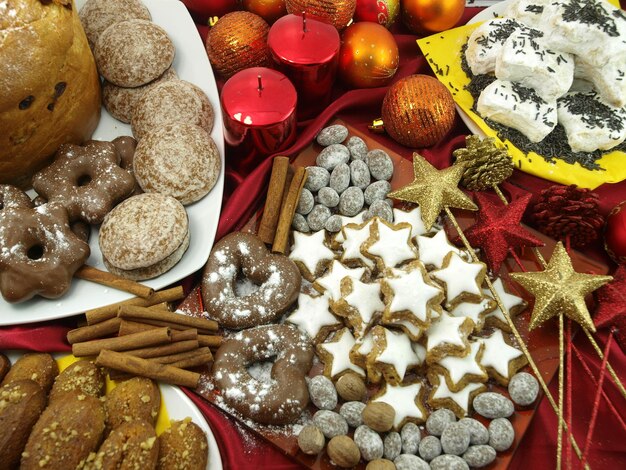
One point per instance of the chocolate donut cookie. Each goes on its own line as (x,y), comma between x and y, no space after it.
(126,146)
(180,160)
(98,15)
(171,102)
(87,180)
(144,236)
(120,101)
(280,400)
(133,53)
(277,279)
(12,196)
(39,253)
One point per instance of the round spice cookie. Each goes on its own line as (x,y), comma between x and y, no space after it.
(171,102)
(98,15)
(144,236)
(120,101)
(134,52)
(180,160)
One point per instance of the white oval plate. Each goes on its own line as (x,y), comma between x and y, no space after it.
(192,64)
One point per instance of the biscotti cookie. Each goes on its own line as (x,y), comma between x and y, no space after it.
(134,52)
(98,15)
(144,236)
(171,102)
(178,160)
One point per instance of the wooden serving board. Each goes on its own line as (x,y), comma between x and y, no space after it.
(542,342)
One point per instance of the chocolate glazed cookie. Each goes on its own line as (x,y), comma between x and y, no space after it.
(280,400)
(275,278)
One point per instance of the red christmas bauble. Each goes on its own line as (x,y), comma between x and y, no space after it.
(431,16)
(269,10)
(203,10)
(335,12)
(368,56)
(382,12)
(615,233)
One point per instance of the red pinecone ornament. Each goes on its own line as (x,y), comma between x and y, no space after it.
(563,211)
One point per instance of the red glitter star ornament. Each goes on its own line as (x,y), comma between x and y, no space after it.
(611,311)
(497,229)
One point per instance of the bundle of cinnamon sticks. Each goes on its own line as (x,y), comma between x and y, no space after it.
(142,337)
(283,195)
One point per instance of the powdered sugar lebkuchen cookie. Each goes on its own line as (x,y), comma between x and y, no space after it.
(12,196)
(98,15)
(133,53)
(277,279)
(144,236)
(171,102)
(180,160)
(120,101)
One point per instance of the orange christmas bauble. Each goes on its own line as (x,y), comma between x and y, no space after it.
(431,16)
(418,111)
(269,10)
(368,56)
(336,12)
(238,41)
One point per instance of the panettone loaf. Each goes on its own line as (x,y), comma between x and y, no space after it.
(49,85)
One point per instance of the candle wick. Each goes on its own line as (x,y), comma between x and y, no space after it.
(260,82)
(304,21)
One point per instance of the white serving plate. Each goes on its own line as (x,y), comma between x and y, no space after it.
(192,64)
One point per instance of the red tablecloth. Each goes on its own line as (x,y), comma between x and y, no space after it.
(246,180)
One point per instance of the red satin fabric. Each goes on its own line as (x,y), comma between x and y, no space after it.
(246,181)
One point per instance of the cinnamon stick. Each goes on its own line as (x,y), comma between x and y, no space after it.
(273,200)
(161,306)
(145,368)
(172,358)
(210,341)
(195,361)
(97,315)
(174,320)
(86,333)
(89,273)
(165,350)
(122,343)
(288,210)
(128,327)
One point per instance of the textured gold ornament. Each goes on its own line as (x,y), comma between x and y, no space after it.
(487,164)
(238,41)
(560,290)
(418,111)
(336,12)
(434,189)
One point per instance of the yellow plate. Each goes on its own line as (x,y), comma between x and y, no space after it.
(443,52)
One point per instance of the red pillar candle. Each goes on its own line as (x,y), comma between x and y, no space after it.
(259,110)
(306,50)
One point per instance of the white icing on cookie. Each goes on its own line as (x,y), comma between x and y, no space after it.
(420,351)
(312,314)
(461,398)
(446,330)
(412,293)
(310,250)
(414,331)
(331,281)
(345,220)
(393,245)
(433,250)
(398,352)
(459,367)
(339,349)
(461,277)
(355,236)
(413,218)
(402,398)
(509,301)
(364,345)
(497,353)
(474,311)
(365,299)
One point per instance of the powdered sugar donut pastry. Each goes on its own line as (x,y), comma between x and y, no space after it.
(518,107)
(120,101)
(171,102)
(144,236)
(485,44)
(179,160)
(277,277)
(279,400)
(134,52)
(98,15)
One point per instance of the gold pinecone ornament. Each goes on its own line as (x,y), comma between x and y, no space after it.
(487,164)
